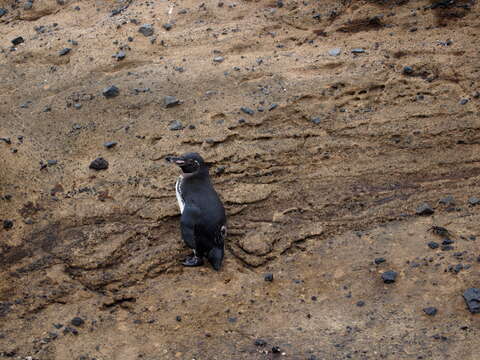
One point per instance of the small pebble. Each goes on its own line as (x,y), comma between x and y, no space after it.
(18,40)
(472,298)
(268,277)
(218,59)
(110,92)
(167,27)
(260,342)
(247,110)
(430,311)
(424,209)
(99,164)
(170,101)
(360,303)
(433,245)
(175,126)
(110,144)
(178,318)
(146,30)
(379,260)
(77,321)
(407,70)
(64,51)
(358,51)
(335,52)
(7,224)
(389,277)
(473,201)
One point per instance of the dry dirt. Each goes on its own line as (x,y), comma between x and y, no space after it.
(316,188)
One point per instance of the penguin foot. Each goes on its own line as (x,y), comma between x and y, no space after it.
(193,261)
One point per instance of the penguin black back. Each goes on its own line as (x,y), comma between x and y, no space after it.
(203,220)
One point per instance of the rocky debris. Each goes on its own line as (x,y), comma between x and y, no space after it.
(389,277)
(360,303)
(110,144)
(473,201)
(260,342)
(424,209)
(77,321)
(167,26)
(170,101)
(472,298)
(175,125)
(247,110)
(64,51)
(316,120)
(119,55)
(447,200)
(3,12)
(379,260)
(335,52)
(358,51)
(407,70)
(178,318)
(99,164)
(146,30)
(272,107)
(7,224)
(18,40)
(218,59)
(430,311)
(463,101)
(111,92)
(268,277)
(433,245)
(276,350)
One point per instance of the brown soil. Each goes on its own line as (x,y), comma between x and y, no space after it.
(315,189)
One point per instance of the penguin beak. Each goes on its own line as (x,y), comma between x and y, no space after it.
(175,160)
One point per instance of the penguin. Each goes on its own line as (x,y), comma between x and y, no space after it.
(203,222)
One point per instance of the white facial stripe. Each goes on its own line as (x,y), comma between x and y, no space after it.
(178,192)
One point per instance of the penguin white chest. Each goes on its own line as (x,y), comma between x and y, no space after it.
(178,192)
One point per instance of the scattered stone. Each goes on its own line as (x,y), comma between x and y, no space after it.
(167,27)
(447,247)
(77,321)
(272,107)
(52,162)
(232,319)
(358,51)
(218,59)
(335,52)
(120,55)
(260,342)
(433,245)
(64,51)
(18,40)
(110,144)
(99,164)
(69,329)
(424,209)
(360,303)
(407,70)
(28,5)
(3,12)
(316,120)
(77,106)
(276,350)
(268,277)
(430,311)
(111,92)
(474,201)
(472,298)
(447,200)
(247,110)
(389,277)
(379,260)
(57,326)
(175,125)
(7,224)
(463,101)
(146,30)
(447,241)
(170,101)
(178,318)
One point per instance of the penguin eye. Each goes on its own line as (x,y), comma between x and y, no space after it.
(196,162)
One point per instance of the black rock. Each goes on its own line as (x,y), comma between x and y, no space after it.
(268,277)
(247,110)
(167,27)
(260,342)
(110,144)
(272,107)
(77,321)
(447,200)
(18,40)
(447,247)
(178,318)
(316,120)
(472,298)
(58,326)
(431,311)
(463,101)
(146,30)
(433,245)
(276,350)
(389,277)
(69,329)
(358,51)
(120,55)
(99,164)
(360,303)
(379,260)
(170,101)
(424,209)
(3,12)
(447,241)
(407,70)
(111,92)
(232,319)
(52,162)
(474,201)
(175,125)
(7,224)
(64,51)
(218,59)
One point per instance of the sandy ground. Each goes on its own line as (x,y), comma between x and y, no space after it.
(355,114)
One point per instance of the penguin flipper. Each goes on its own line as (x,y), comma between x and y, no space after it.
(187,225)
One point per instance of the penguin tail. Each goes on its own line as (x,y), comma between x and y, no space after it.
(215,257)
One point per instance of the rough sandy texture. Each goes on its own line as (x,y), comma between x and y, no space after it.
(323,178)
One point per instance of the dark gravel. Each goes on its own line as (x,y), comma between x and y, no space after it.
(424,209)
(170,101)
(7,224)
(99,164)
(64,51)
(389,277)
(268,277)
(110,144)
(18,40)
(77,321)
(146,30)
(472,298)
(247,110)
(430,311)
(111,92)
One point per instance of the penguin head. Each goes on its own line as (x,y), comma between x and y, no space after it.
(190,163)
(215,257)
